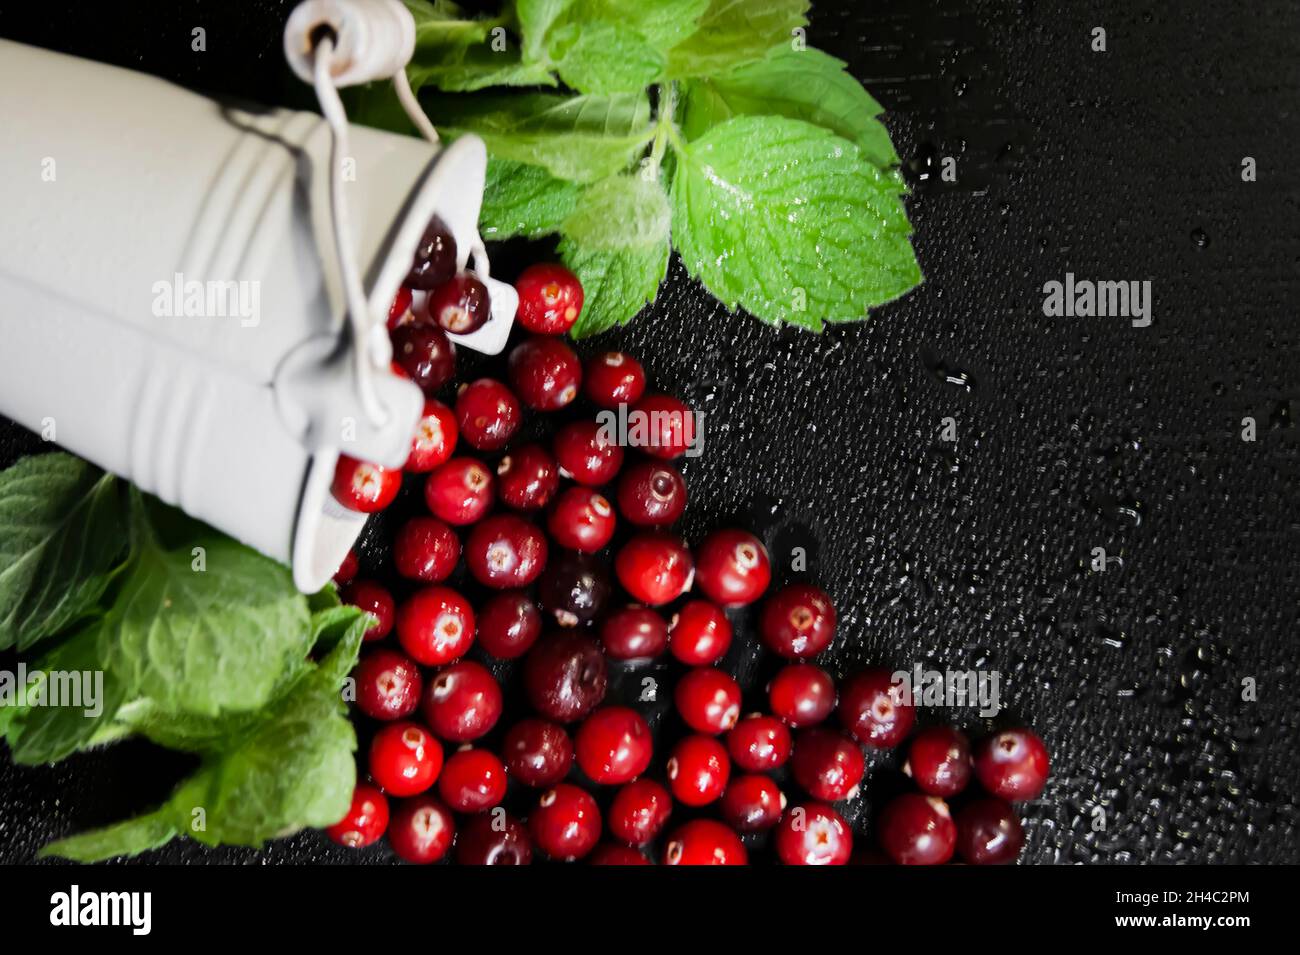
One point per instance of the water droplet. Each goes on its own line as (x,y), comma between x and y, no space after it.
(1199,238)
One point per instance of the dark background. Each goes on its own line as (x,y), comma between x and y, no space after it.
(1073,433)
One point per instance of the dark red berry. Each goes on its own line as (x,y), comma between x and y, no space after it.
(565,676)
(365,487)
(508,624)
(425,354)
(527,478)
(550,298)
(614,378)
(917,830)
(708,700)
(586,453)
(699,633)
(426,549)
(366,819)
(434,439)
(639,811)
(400,311)
(487,413)
(875,710)
(939,760)
(655,567)
(613,745)
(494,838)
(505,551)
(613,854)
(733,567)
(667,426)
(759,743)
(582,520)
(388,684)
(802,694)
(404,759)
(347,569)
(545,373)
(459,305)
(472,780)
(460,491)
(752,803)
(989,833)
(705,842)
(1012,765)
(827,765)
(798,621)
(375,600)
(463,701)
(633,633)
(814,834)
(434,261)
(566,823)
(698,770)
(574,588)
(537,753)
(651,493)
(422,830)
(435,626)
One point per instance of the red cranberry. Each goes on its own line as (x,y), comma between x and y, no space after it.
(759,743)
(365,487)
(460,305)
(917,830)
(487,413)
(733,567)
(1012,765)
(639,811)
(527,477)
(651,494)
(348,569)
(574,588)
(566,823)
(989,833)
(874,709)
(434,439)
(435,626)
(366,820)
(422,830)
(505,551)
(388,685)
(546,373)
(798,621)
(463,701)
(613,745)
(802,694)
(612,854)
(425,354)
(460,491)
(426,549)
(827,765)
(550,298)
(669,426)
(586,453)
(472,780)
(705,842)
(582,520)
(494,838)
(698,770)
(564,677)
(939,761)
(699,633)
(633,633)
(434,261)
(752,803)
(655,567)
(509,624)
(814,834)
(614,378)
(537,753)
(708,700)
(404,759)
(375,600)
(400,310)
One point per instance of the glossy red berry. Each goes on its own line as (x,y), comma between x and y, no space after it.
(388,685)
(814,834)
(422,830)
(574,588)
(472,780)
(426,549)
(752,803)
(989,833)
(366,819)
(425,354)
(613,745)
(639,811)
(586,453)
(699,633)
(550,298)
(582,520)
(565,676)
(708,700)
(827,765)
(435,626)
(917,830)
(633,633)
(459,491)
(875,710)
(508,624)
(705,842)
(566,823)
(375,600)
(347,569)
(463,701)
(614,378)
(434,261)
(505,551)
(460,305)
(1012,765)
(365,487)
(798,622)
(527,478)
(537,753)
(651,493)
(732,567)
(698,770)
(434,438)
(939,761)
(655,567)
(545,373)
(802,694)
(487,413)
(405,759)
(667,426)
(759,743)
(492,839)
(614,854)
(400,311)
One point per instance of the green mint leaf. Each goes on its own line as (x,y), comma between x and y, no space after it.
(799,84)
(595,56)
(535,19)
(664,23)
(457,54)
(735,31)
(790,221)
(62,533)
(128,838)
(524,200)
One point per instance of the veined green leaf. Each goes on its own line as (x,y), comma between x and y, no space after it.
(524,200)
(732,32)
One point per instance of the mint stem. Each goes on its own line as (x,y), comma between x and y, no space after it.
(663,124)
